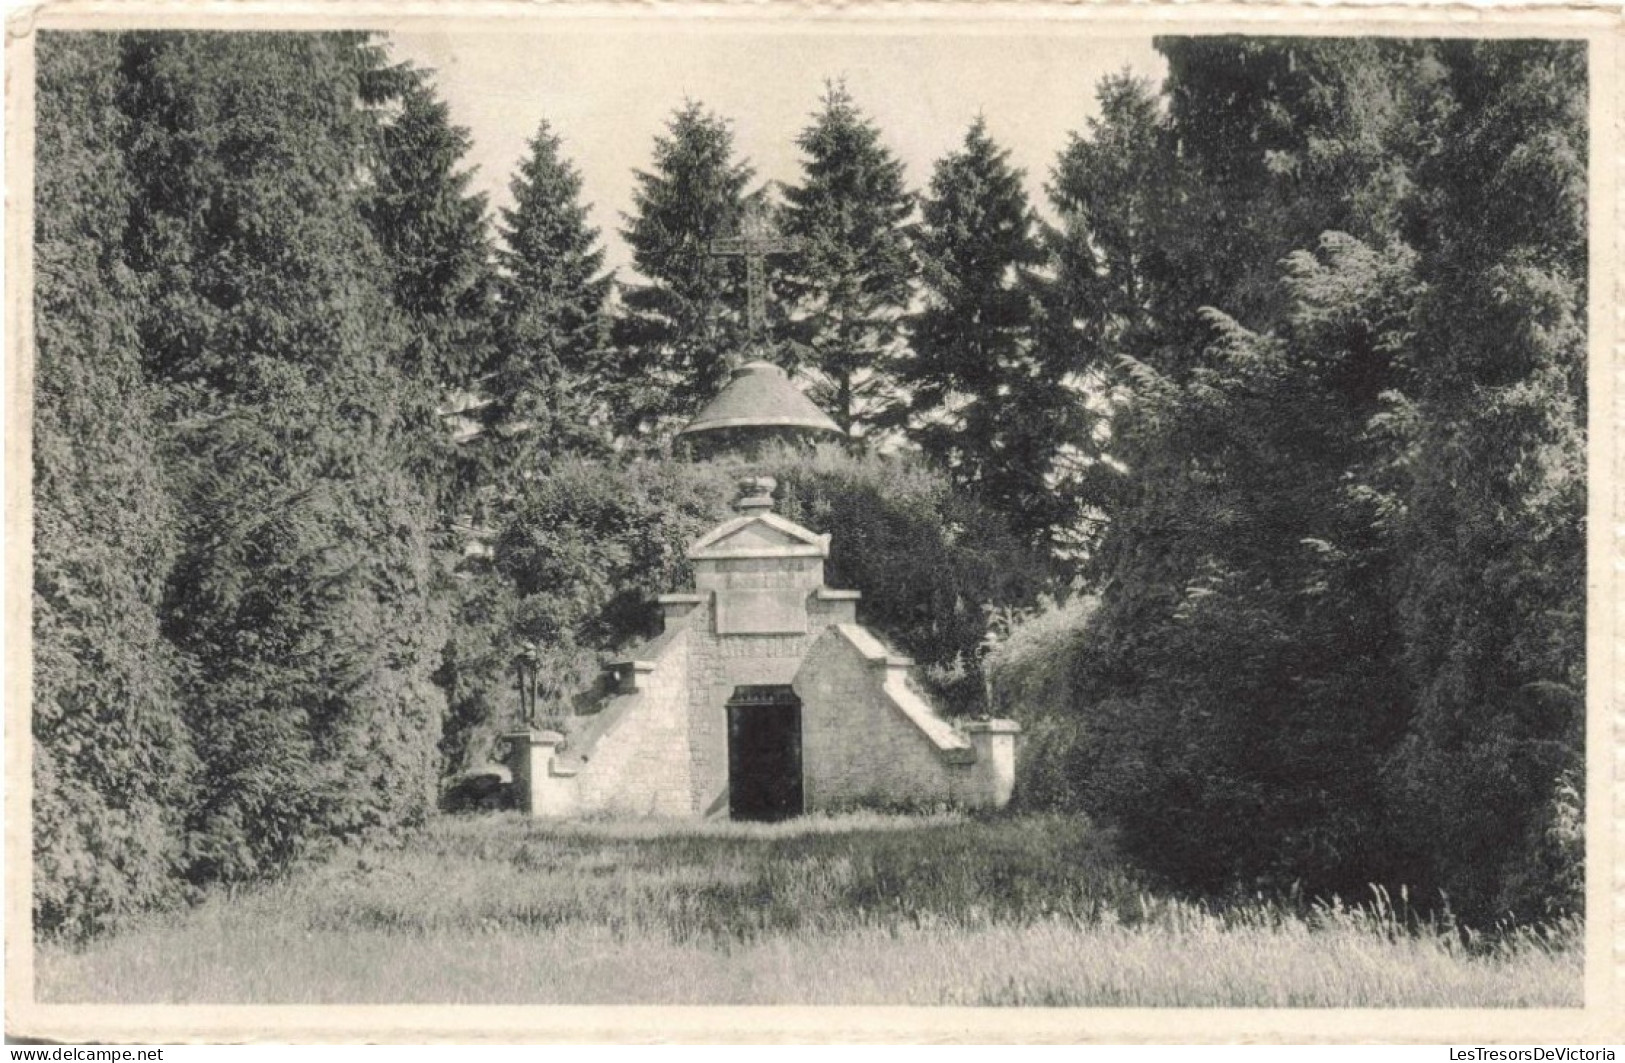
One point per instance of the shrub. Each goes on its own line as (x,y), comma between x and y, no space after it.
(1030,662)
(933,564)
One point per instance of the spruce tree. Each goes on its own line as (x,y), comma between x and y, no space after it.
(435,237)
(1108,189)
(552,373)
(1244,656)
(301,600)
(1339,638)
(112,762)
(849,282)
(433,231)
(979,403)
(678,330)
(550,398)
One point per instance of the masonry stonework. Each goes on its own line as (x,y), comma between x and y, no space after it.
(859,746)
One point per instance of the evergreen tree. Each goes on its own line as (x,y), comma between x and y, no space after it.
(978,401)
(112,762)
(1492,589)
(1242,671)
(553,370)
(678,330)
(435,238)
(433,231)
(1272,142)
(1338,638)
(1109,189)
(550,399)
(301,599)
(850,280)
(1240,674)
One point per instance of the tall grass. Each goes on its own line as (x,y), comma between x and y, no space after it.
(861,909)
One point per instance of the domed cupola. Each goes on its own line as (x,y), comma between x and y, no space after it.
(757,408)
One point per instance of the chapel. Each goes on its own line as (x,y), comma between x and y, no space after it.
(764,697)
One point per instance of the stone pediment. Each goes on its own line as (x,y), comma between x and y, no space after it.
(758,535)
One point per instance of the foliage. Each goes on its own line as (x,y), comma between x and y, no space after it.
(301,600)
(432,230)
(112,762)
(1491,595)
(929,560)
(1107,186)
(1110,189)
(577,564)
(1272,596)
(434,236)
(589,547)
(594,544)
(1338,638)
(1298,374)
(476,670)
(850,281)
(436,240)
(1029,660)
(979,402)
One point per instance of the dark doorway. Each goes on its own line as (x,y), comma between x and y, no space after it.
(764,753)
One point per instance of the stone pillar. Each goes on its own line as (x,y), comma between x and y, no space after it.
(995,768)
(837,607)
(629,677)
(541,786)
(677,606)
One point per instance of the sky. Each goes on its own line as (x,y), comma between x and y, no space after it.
(608,89)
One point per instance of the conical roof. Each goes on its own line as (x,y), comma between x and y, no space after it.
(760,395)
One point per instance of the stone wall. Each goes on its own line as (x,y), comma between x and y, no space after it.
(707,721)
(637,762)
(759,573)
(661,746)
(860,742)
(538,788)
(719,664)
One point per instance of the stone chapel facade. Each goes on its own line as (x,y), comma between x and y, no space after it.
(763,698)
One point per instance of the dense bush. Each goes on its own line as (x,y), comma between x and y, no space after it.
(1029,663)
(302,598)
(234,547)
(581,556)
(932,562)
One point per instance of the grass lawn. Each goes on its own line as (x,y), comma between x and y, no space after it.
(860,909)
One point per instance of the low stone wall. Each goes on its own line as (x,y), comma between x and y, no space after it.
(639,763)
(631,758)
(862,739)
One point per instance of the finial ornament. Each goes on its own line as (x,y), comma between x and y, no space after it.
(755,494)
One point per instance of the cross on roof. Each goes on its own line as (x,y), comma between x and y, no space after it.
(755,240)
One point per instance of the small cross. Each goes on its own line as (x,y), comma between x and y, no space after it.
(754,242)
